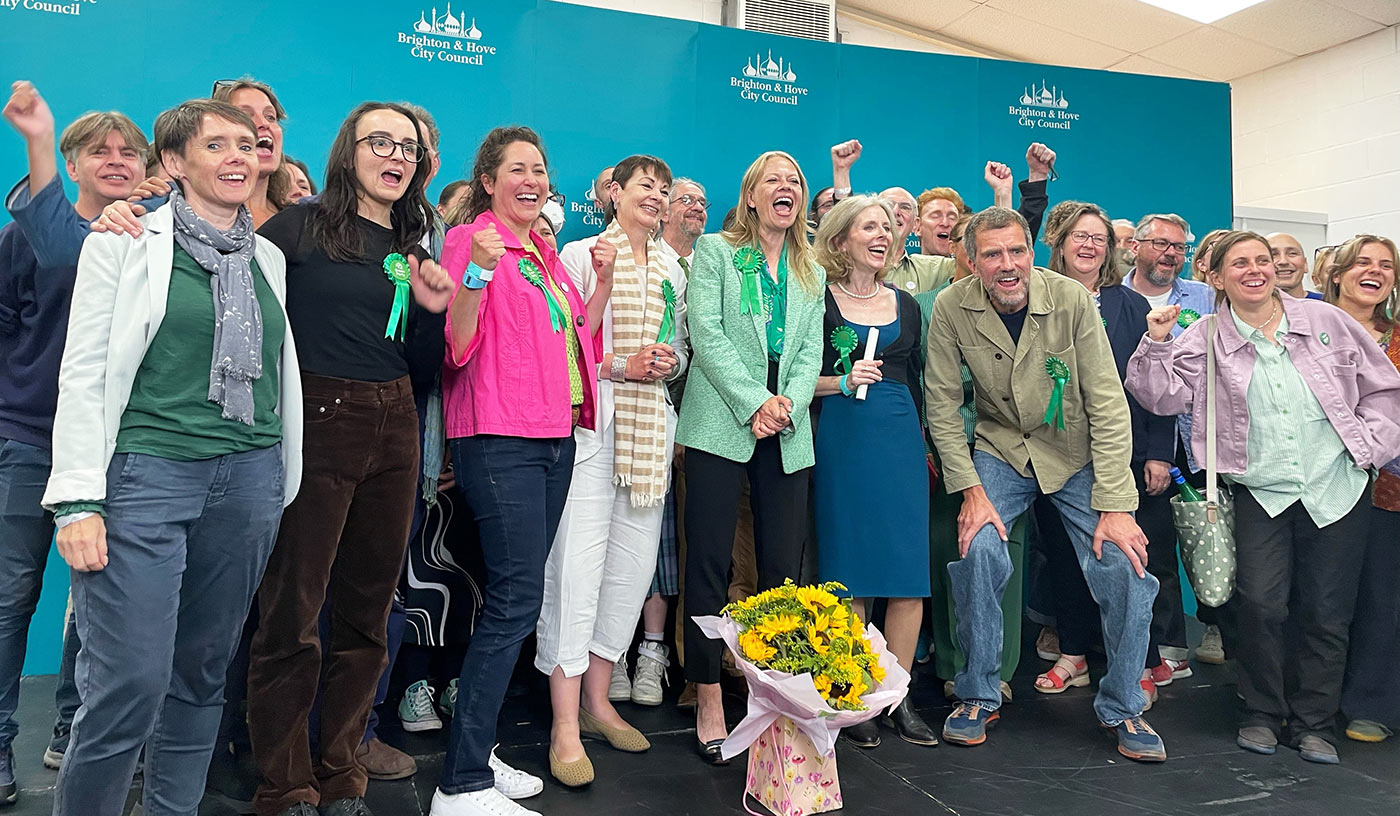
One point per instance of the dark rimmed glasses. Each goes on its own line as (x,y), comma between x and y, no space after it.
(383,147)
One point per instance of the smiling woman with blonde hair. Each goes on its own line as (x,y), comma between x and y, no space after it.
(755,331)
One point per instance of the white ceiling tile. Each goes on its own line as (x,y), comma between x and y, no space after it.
(920,15)
(1138,64)
(1125,24)
(1030,40)
(1298,26)
(1382,11)
(1216,54)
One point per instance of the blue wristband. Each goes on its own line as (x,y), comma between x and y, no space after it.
(475,277)
(844,390)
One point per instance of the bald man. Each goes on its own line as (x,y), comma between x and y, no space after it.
(912,273)
(1290,265)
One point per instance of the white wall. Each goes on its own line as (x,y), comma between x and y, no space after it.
(1322,133)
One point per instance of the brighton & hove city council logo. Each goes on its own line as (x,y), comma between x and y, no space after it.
(446,37)
(766,80)
(1043,107)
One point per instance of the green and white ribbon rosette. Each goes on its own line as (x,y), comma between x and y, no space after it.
(844,340)
(397,271)
(532,275)
(667,332)
(1059,373)
(749,260)
(1187,317)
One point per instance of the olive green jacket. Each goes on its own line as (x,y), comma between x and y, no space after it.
(1012,390)
(728,379)
(921,273)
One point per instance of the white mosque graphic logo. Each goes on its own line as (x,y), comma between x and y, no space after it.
(759,68)
(447,24)
(1043,97)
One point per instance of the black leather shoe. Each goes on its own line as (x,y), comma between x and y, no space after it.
(710,752)
(909,724)
(865,735)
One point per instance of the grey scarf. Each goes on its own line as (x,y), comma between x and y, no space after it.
(227,257)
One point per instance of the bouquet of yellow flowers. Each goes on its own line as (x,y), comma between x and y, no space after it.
(812,668)
(809,630)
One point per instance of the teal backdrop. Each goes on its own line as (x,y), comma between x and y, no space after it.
(599,85)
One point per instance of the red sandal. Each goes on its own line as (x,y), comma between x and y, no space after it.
(1066,673)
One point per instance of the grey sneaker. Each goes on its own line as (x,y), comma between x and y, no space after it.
(9,791)
(1212,648)
(619,687)
(347,807)
(300,809)
(447,704)
(651,673)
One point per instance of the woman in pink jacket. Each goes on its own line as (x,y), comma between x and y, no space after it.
(1306,404)
(521,364)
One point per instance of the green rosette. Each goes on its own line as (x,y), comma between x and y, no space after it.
(844,340)
(1186,317)
(749,260)
(1059,373)
(667,332)
(532,275)
(397,271)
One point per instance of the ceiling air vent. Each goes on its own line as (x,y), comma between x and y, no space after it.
(809,19)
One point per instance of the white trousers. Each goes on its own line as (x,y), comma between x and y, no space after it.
(600,568)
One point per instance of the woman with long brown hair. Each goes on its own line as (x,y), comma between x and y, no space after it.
(355,286)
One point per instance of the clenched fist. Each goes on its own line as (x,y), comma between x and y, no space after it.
(487,249)
(604,257)
(1160,322)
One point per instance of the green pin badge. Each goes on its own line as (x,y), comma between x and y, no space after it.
(397,271)
(1187,317)
(1326,341)
(749,260)
(667,332)
(532,275)
(1059,373)
(844,340)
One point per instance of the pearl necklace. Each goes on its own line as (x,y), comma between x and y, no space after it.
(851,294)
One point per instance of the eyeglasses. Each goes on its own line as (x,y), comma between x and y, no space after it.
(383,147)
(558,198)
(1082,237)
(220,84)
(689,200)
(1162,244)
(1322,249)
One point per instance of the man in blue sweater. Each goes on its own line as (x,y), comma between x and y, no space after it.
(104,154)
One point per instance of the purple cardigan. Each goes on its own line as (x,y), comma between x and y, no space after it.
(1357,385)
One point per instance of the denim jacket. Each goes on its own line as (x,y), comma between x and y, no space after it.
(1351,377)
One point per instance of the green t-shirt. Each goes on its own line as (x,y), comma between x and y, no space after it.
(170,414)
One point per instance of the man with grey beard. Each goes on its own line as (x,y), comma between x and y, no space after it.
(684,220)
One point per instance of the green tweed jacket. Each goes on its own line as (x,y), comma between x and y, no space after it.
(728,379)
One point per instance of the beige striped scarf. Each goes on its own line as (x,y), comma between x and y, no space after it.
(639,416)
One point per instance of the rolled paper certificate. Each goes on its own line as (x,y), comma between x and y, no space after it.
(871,342)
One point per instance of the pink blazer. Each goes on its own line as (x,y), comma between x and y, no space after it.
(512,379)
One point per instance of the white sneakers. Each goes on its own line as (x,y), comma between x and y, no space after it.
(514,783)
(511,783)
(487,802)
(651,673)
(417,711)
(619,687)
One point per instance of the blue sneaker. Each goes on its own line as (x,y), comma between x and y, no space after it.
(9,791)
(1137,740)
(968,724)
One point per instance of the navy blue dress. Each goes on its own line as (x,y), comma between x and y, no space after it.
(871,478)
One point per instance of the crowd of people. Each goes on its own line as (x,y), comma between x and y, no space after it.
(297,439)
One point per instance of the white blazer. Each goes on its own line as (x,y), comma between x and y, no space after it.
(577,258)
(118,305)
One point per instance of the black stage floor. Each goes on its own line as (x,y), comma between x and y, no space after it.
(1047,757)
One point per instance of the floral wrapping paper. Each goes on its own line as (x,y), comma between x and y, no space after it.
(789,776)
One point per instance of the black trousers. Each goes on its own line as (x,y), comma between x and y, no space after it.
(1370,691)
(1076,612)
(1289,559)
(713,488)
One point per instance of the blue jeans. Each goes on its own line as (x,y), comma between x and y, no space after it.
(187,543)
(26,535)
(979,579)
(516,488)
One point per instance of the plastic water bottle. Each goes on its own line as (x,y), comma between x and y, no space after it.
(1188,493)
